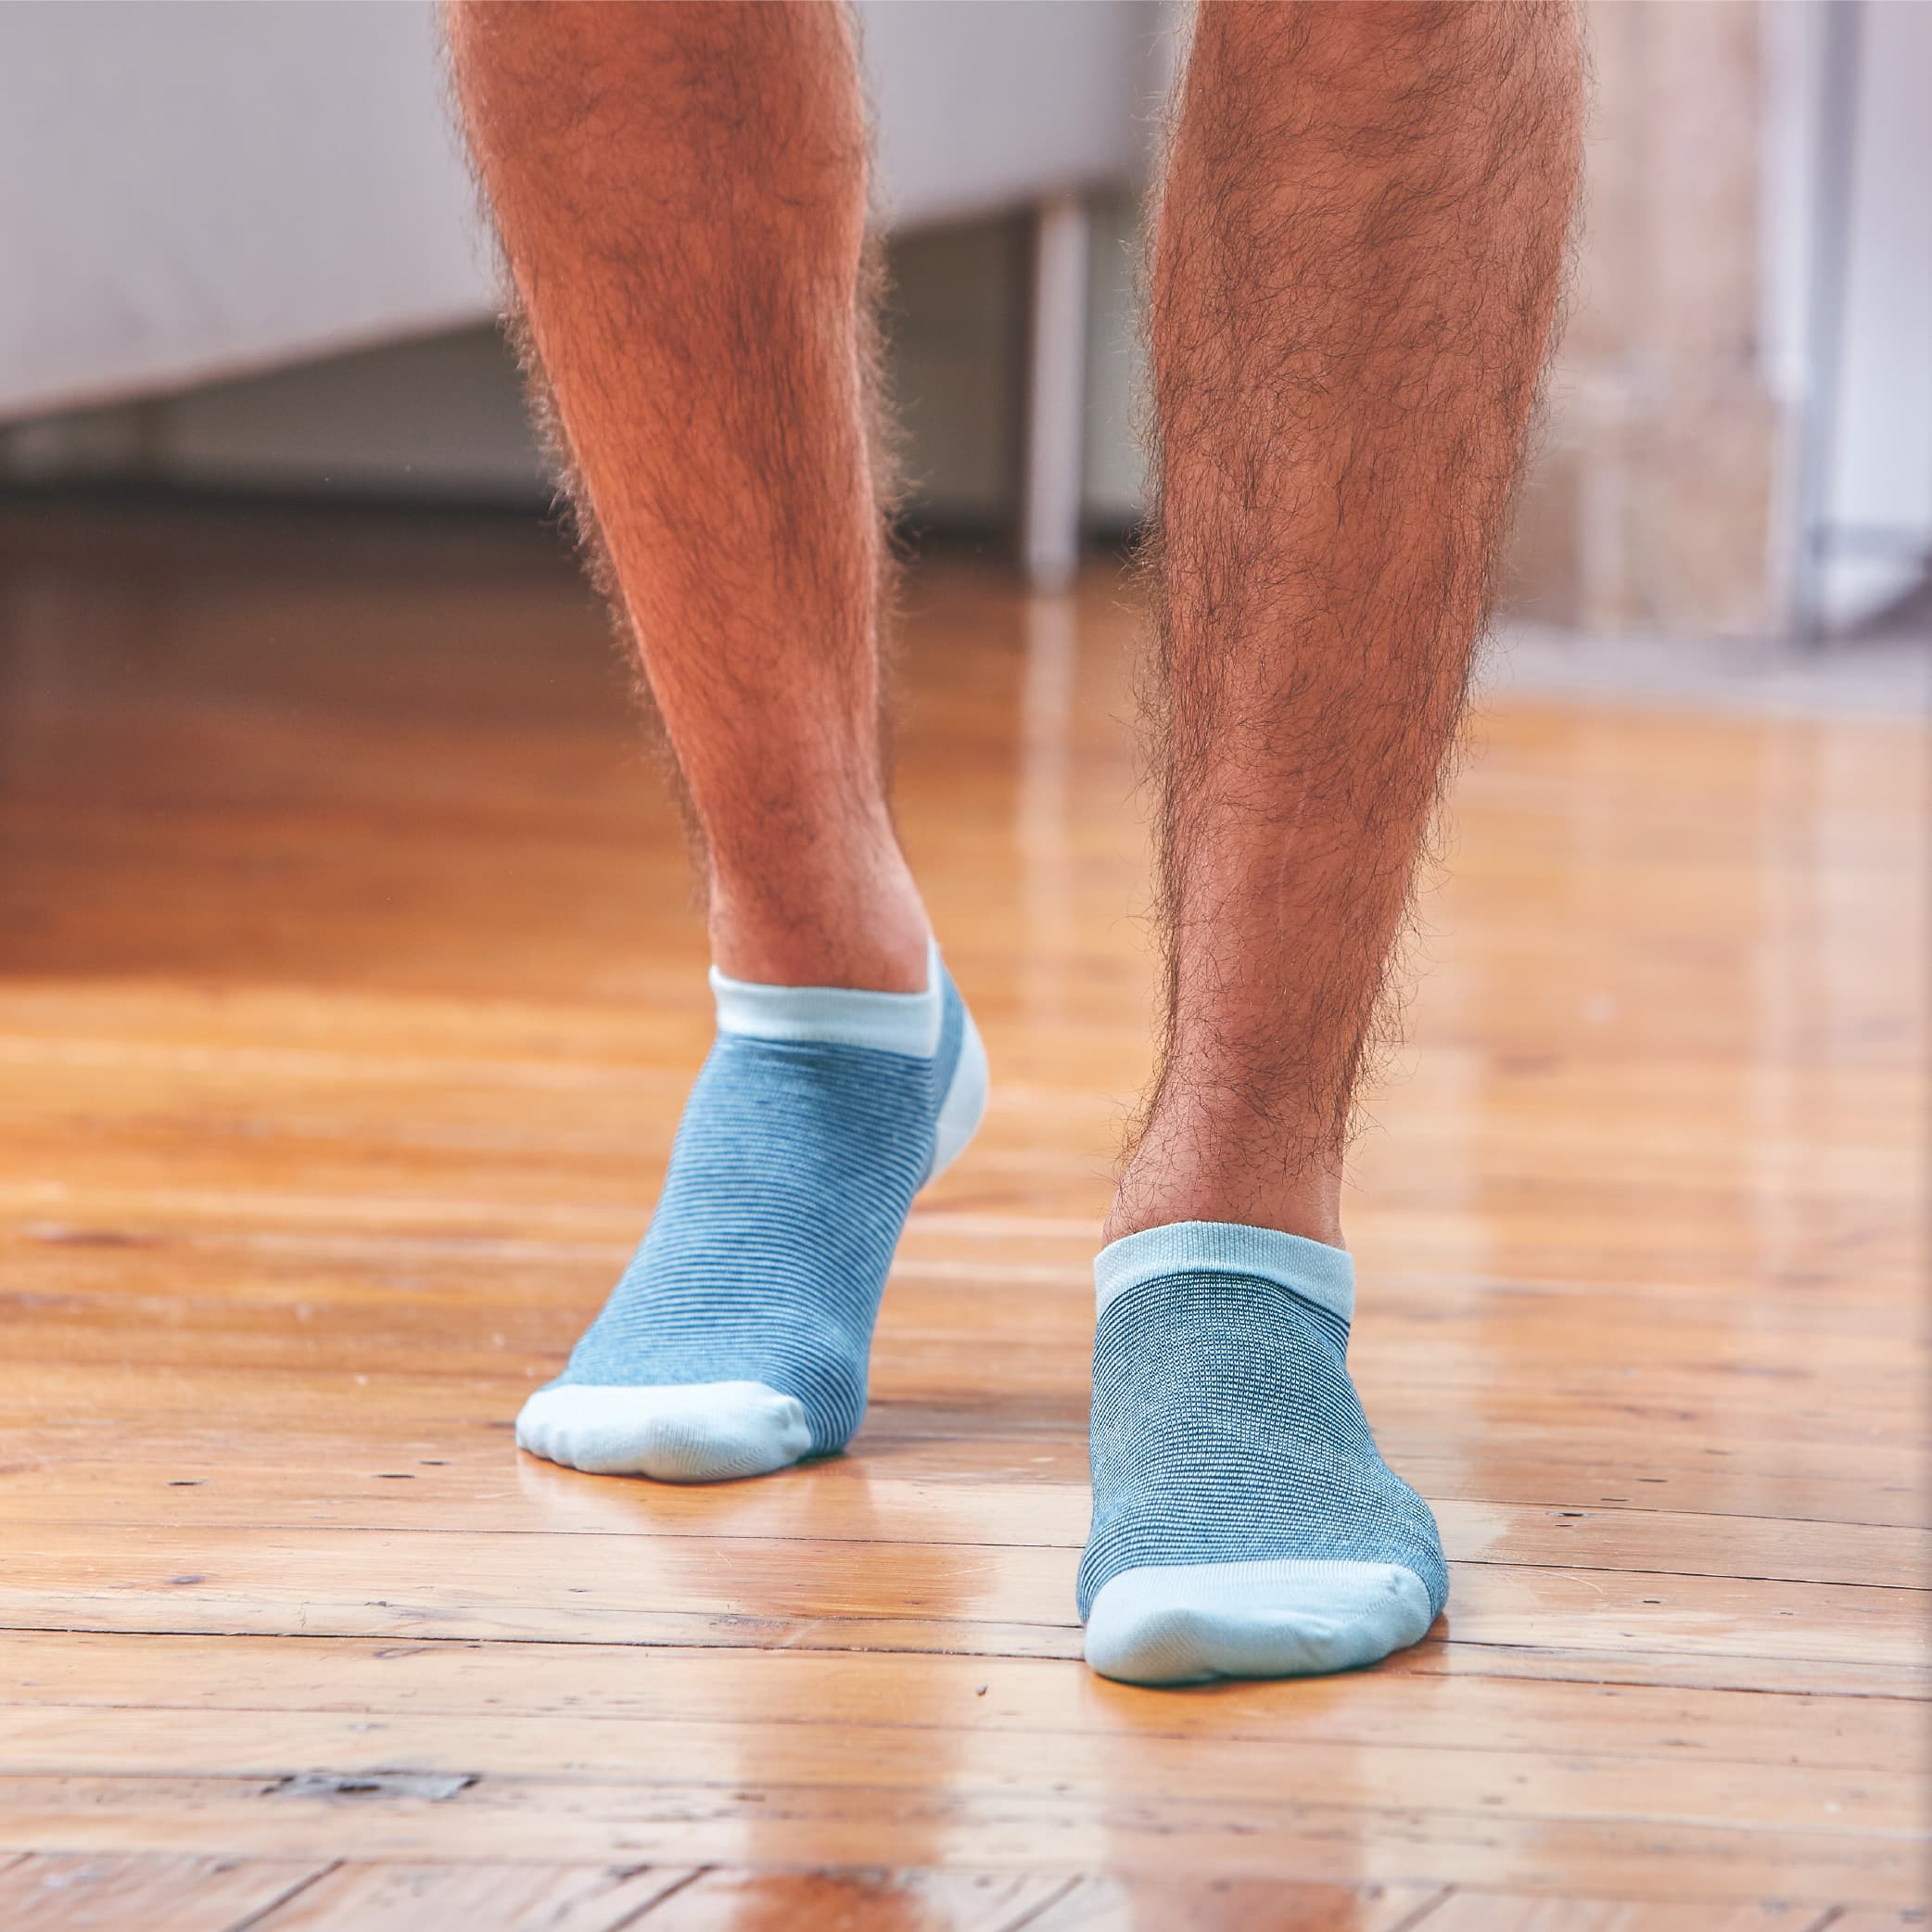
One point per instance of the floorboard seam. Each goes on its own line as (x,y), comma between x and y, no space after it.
(251,1920)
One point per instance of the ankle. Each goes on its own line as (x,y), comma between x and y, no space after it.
(1131,1217)
(1171,1179)
(863,925)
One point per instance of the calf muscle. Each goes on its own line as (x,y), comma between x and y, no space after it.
(1354,272)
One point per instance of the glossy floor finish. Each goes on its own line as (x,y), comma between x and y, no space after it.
(348,987)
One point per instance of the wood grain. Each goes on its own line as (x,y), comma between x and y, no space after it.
(387,1683)
(1489,1911)
(856,1902)
(157,1893)
(1231,1905)
(479,1898)
(348,989)
(1291,1836)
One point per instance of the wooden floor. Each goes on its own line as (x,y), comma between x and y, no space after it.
(348,987)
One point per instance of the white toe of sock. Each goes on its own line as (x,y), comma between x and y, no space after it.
(1186,1623)
(706,1432)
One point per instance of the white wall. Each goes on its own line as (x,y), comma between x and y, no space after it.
(198,189)
(1858,382)
(443,416)
(1879,466)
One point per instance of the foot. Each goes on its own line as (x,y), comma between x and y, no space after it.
(1244,1524)
(737,1340)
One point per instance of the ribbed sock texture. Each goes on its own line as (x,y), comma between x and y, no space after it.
(794,1167)
(1226,1428)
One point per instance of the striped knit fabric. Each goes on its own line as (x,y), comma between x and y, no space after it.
(1226,1428)
(795,1165)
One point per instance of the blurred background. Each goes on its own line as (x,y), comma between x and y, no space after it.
(242,259)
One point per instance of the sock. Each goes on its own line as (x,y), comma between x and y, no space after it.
(1244,1524)
(737,1339)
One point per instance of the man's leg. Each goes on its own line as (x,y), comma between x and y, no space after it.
(1354,274)
(681,192)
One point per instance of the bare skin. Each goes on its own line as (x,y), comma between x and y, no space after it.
(1354,270)
(681,190)
(1355,267)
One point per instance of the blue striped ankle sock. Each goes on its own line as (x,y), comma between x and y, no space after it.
(737,1339)
(1244,1524)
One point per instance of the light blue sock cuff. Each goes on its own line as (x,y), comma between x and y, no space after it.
(836,1016)
(1316,1272)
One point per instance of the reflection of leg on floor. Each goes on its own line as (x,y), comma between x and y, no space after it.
(1355,270)
(681,194)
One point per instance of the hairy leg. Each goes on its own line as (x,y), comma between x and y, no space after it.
(1353,279)
(681,196)
(681,191)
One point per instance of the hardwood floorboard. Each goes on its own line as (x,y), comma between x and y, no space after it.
(242,1408)
(590,1588)
(1492,1911)
(1232,1905)
(158,1892)
(386,1683)
(481,1898)
(581,1820)
(847,1762)
(103,1496)
(348,989)
(856,1902)
(332,1476)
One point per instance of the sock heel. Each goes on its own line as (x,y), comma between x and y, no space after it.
(964,1105)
